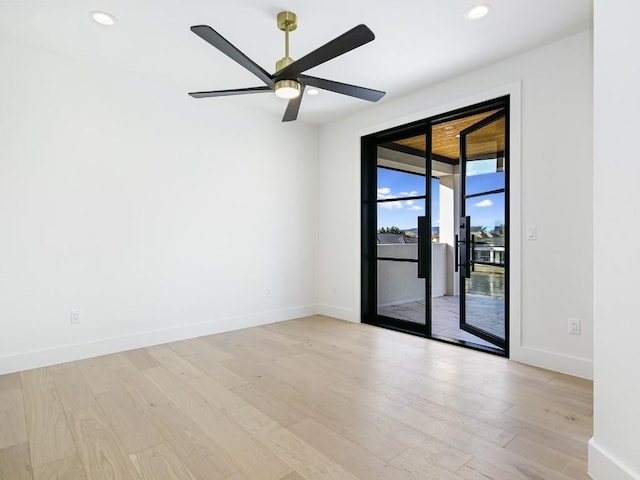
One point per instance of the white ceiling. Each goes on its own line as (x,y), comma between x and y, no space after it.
(418,42)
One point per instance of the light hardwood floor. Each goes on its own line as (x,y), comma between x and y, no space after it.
(314,398)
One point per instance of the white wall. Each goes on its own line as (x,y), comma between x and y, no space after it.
(555,192)
(158,215)
(613,453)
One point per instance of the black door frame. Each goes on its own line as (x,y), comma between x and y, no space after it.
(368,191)
(369,146)
(464,273)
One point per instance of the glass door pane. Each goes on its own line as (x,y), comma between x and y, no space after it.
(482,282)
(401,199)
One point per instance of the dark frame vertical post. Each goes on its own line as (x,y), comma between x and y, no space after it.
(368,261)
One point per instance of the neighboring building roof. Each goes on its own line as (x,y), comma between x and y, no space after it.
(392,238)
(493,242)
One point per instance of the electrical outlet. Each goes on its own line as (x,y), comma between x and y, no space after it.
(269,292)
(574,326)
(76,316)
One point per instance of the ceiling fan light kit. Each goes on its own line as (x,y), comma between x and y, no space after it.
(287,89)
(289,81)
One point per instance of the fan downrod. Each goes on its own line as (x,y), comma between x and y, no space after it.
(287,22)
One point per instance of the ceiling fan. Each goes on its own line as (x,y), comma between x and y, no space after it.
(289,81)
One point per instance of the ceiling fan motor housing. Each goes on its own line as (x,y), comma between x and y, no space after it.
(283,62)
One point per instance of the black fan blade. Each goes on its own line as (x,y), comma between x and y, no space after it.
(226,93)
(346,42)
(343,88)
(209,35)
(291,113)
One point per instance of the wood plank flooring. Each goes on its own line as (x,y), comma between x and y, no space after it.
(308,399)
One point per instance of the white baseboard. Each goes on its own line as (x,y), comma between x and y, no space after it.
(604,466)
(68,353)
(338,312)
(578,367)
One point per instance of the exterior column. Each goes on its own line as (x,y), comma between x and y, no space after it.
(449,215)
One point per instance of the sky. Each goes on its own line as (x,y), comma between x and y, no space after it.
(485,210)
(403,213)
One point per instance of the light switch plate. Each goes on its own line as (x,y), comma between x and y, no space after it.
(530,232)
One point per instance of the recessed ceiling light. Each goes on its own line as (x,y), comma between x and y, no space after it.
(103,18)
(313,91)
(477,12)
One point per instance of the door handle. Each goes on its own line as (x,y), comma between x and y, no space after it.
(468,247)
(456,255)
(422,255)
(472,256)
(463,258)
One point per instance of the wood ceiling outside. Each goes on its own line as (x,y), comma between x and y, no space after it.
(486,141)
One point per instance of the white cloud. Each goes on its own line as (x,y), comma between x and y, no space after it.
(483,203)
(390,205)
(384,192)
(412,193)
